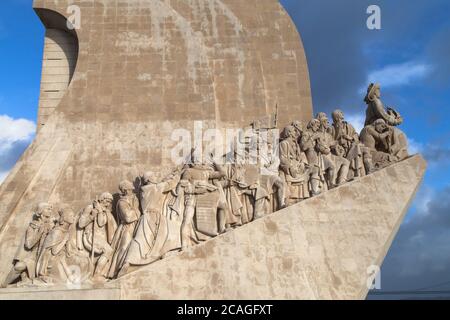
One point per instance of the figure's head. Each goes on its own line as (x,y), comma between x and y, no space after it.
(290,132)
(373,91)
(314,125)
(380,125)
(298,127)
(66,215)
(323,119)
(340,151)
(106,199)
(44,210)
(338,116)
(150,178)
(377,91)
(126,187)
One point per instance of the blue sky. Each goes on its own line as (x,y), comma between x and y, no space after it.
(21,38)
(410,56)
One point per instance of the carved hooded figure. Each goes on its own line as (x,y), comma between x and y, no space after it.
(128,214)
(55,242)
(96,232)
(24,264)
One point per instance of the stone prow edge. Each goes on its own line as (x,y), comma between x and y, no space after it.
(383,254)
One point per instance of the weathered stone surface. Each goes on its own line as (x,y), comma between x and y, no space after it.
(320,248)
(61,293)
(143,69)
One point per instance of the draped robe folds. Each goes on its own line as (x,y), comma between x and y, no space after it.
(352,149)
(53,246)
(59,254)
(99,231)
(74,257)
(269,176)
(152,237)
(129,214)
(376,110)
(30,247)
(240,196)
(338,131)
(294,170)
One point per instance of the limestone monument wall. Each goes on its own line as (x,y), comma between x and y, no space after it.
(114,90)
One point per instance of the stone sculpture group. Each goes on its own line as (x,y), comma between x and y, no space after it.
(158,217)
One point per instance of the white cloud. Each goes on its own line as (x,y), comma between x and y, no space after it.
(414,147)
(399,74)
(424,196)
(14,130)
(3,176)
(15,134)
(357,120)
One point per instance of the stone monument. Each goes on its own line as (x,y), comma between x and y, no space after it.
(120,196)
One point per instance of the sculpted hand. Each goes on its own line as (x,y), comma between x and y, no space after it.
(254,186)
(386,134)
(46,228)
(347,137)
(94,213)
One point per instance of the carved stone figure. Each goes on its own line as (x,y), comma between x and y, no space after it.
(318,152)
(98,227)
(331,150)
(128,214)
(299,129)
(152,230)
(203,205)
(308,146)
(346,136)
(376,109)
(375,137)
(270,177)
(246,198)
(295,168)
(54,243)
(397,144)
(24,264)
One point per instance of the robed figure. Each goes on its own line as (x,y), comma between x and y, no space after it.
(152,233)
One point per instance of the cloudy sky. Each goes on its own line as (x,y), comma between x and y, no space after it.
(409,56)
